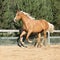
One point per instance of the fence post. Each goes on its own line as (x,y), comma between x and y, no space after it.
(48,37)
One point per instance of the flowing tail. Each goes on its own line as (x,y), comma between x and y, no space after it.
(51,28)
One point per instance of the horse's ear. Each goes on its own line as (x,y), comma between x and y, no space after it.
(17,10)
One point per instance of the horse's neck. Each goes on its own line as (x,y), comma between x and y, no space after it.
(25,19)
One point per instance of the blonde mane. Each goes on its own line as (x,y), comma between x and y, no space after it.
(28,15)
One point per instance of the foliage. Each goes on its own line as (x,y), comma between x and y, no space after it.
(47,9)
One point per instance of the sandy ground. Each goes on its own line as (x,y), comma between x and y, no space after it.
(30,53)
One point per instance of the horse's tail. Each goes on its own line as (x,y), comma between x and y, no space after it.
(50,28)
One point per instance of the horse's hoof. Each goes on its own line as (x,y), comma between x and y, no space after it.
(30,41)
(19,45)
(23,46)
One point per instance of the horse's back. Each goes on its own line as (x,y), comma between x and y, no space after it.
(44,24)
(39,25)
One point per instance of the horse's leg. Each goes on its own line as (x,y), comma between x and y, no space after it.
(35,44)
(21,37)
(45,36)
(28,34)
(38,42)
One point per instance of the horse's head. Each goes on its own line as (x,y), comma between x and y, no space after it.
(18,16)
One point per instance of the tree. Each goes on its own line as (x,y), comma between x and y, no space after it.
(46,9)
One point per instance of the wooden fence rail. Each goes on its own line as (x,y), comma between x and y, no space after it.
(49,35)
(12,31)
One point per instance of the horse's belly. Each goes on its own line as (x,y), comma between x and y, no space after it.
(37,29)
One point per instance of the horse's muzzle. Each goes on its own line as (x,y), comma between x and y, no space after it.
(14,19)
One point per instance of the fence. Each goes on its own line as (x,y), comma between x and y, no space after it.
(12,31)
(53,37)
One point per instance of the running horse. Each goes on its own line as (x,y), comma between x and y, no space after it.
(30,25)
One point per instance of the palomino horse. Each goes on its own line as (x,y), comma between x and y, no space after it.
(30,25)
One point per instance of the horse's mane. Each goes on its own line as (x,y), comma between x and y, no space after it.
(27,15)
